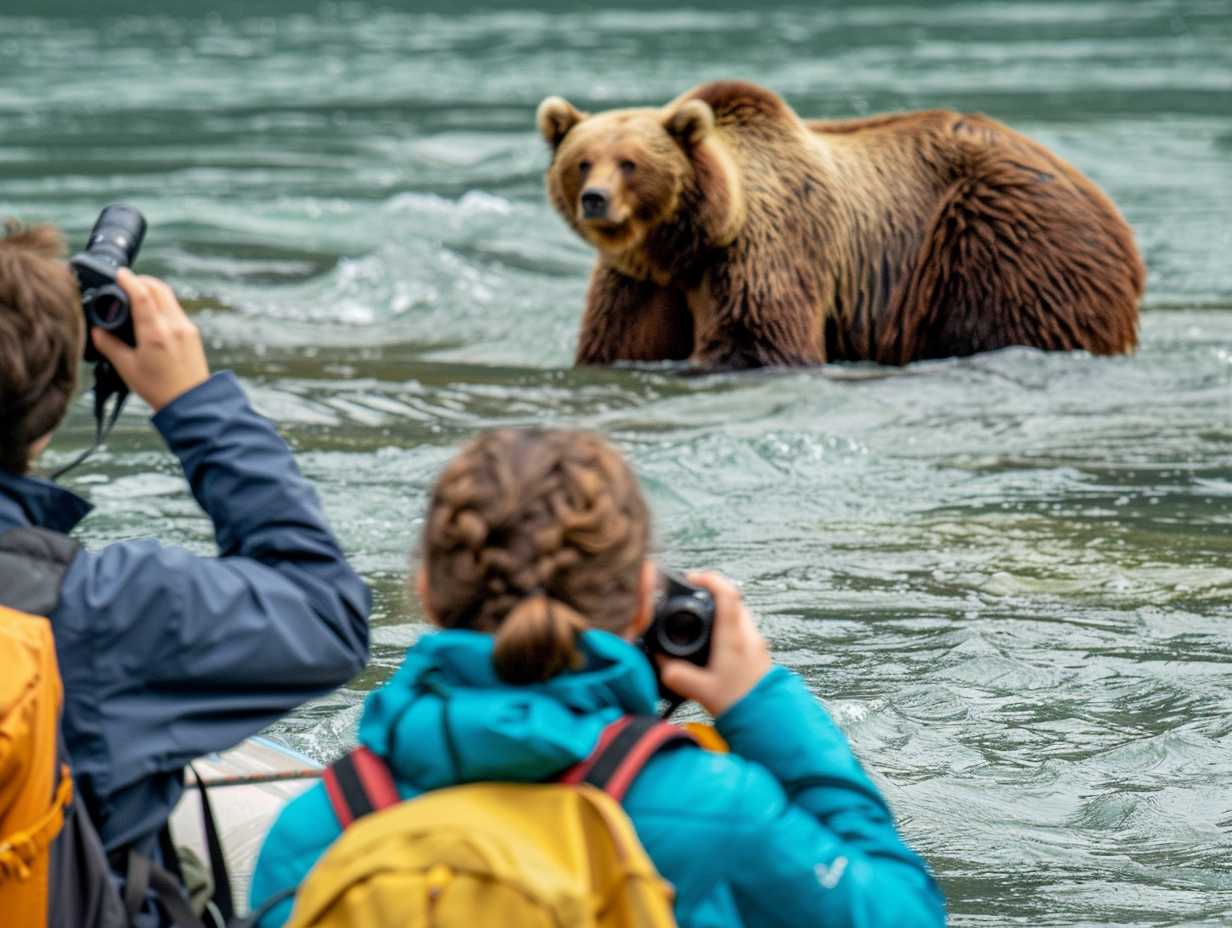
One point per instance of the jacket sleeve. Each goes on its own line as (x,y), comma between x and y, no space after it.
(169,655)
(299,837)
(818,847)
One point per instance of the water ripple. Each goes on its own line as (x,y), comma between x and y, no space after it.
(1010,576)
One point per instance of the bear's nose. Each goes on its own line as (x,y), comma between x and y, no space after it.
(594,203)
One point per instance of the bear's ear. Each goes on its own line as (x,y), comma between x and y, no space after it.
(690,122)
(556,116)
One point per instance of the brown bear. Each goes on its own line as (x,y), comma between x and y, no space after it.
(734,234)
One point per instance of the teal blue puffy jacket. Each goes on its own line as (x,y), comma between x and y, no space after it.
(785,830)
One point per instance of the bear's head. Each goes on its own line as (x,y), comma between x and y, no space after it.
(617,177)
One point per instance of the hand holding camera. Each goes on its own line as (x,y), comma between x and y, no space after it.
(137,335)
(705,643)
(135,323)
(168,358)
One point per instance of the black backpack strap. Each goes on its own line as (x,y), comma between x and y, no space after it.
(33,562)
(143,876)
(136,883)
(80,891)
(623,750)
(166,881)
(358,783)
(222,898)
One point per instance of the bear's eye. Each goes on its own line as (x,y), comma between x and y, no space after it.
(628,166)
(584,167)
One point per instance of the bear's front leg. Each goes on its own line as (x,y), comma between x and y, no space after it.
(632,320)
(771,321)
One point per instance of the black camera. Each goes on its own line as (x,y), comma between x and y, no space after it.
(113,244)
(681,627)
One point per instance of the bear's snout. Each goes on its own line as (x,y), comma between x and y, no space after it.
(595,202)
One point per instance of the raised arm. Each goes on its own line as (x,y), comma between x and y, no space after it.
(182,654)
(816,843)
(278,617)
(807,838)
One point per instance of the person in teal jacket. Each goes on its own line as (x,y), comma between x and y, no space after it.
(534,563)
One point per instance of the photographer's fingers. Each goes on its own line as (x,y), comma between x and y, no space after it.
(141,301)
(143,309)
(739,657)
(689,680)
(162,295)
(169,358)
(726,595)
(111,348)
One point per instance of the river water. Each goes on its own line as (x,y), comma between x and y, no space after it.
(1009,576)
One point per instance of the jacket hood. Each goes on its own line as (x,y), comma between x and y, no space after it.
(26,500)
(447,718)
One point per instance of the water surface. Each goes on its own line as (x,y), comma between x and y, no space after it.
(1009,577)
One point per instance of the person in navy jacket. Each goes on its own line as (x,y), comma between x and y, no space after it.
(166,655)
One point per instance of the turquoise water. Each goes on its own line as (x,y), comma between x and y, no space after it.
(1009,577)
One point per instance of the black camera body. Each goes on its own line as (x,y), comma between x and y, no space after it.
(682,626)
(114,243)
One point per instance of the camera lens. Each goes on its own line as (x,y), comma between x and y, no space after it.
(117,234)
(681,633)
(107,307)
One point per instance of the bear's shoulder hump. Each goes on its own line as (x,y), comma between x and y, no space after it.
(741,100)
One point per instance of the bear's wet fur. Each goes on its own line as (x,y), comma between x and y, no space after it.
(734,234)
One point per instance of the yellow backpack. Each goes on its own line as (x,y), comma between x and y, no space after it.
(492,855)
(34,788)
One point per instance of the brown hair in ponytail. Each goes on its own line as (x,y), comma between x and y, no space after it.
(535,535)
(537,640)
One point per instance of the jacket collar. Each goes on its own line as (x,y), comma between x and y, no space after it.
(446,718)
(33,501)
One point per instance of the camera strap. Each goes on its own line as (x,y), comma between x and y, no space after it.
(107,384)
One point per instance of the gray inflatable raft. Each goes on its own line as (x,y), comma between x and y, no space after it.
(248,786)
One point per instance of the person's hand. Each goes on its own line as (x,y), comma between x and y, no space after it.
(169,359)
(739,657)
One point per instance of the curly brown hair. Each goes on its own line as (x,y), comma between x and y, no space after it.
(41,332)
(535,535)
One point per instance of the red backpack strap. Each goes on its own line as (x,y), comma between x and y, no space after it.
(358,783)
(623,750)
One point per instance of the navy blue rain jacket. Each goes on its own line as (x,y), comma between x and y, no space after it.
(167,655)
